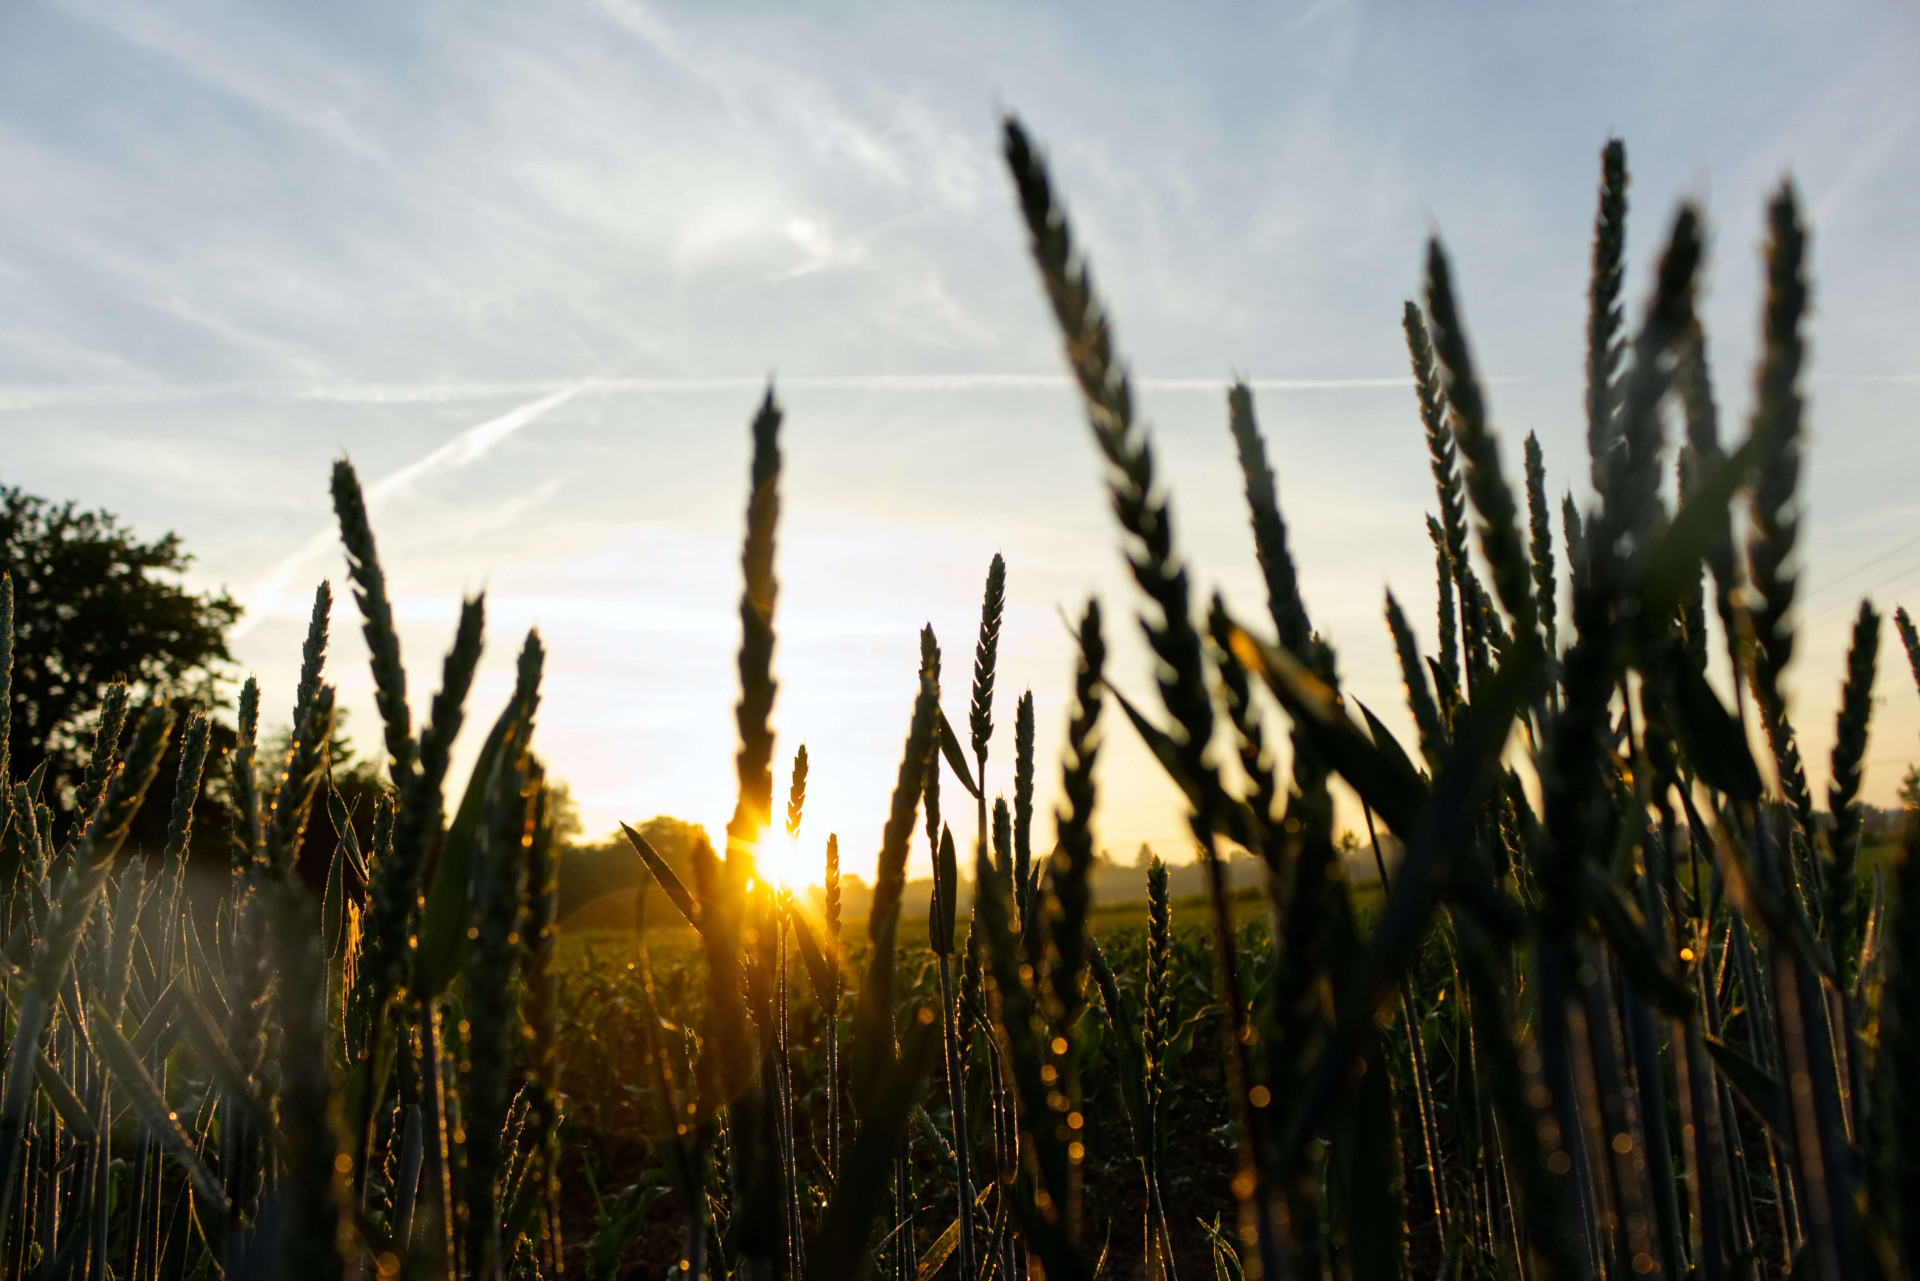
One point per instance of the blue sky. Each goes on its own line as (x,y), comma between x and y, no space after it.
(530,265)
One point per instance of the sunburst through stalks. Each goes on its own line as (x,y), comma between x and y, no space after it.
(779,860)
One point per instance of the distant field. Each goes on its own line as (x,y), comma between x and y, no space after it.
(583,946)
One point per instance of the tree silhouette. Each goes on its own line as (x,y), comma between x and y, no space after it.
(92,604)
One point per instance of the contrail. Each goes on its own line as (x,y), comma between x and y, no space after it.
(22,398)
(466,447)
(955,382)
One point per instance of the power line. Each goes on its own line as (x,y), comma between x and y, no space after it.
(1899,580)
(1857,570)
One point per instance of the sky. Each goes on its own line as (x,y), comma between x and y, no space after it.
(531,267)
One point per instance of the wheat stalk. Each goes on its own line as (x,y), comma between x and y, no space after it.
(1540,545)
(1500,540)
(1606,345)
(754,762)
(1070,899)
(1849,750)
(383,643)
(285,819)
(1269,530)
(1145,521)
(121,794)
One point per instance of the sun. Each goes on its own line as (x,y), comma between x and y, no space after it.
(780,861)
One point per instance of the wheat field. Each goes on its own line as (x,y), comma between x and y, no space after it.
(1629,1003)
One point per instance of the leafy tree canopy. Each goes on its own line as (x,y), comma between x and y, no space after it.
(93,603)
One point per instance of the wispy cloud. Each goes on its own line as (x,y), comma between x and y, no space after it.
(198,49)
(269,597)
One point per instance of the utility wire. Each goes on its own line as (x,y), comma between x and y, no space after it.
(1857,570)
(1899,580)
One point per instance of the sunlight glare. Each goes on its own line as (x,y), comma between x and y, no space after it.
(781,862)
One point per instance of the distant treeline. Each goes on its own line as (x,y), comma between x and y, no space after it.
(598,882)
